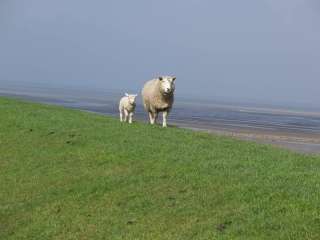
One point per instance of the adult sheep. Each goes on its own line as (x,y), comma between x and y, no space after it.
(158,96)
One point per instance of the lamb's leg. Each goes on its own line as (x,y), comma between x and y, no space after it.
(121,115)
(126,115)
(130,117)
(164,120)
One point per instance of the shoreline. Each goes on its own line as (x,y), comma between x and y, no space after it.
(298,140)
(302,144)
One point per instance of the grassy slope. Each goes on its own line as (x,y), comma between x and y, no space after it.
(66,174)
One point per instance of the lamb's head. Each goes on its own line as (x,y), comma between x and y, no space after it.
(167,85)
(132,98)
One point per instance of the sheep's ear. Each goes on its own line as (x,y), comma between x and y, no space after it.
(173,79)
(127,95)
(160,78)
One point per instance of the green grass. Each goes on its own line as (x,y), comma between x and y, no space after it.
(67,174)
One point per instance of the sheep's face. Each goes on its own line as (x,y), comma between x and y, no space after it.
(132,98)
(167,84)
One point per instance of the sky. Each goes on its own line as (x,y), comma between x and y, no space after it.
(264,51)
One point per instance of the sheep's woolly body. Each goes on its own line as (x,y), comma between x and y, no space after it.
(158,96)
(154,100)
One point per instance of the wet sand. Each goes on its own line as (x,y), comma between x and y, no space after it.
(297,131)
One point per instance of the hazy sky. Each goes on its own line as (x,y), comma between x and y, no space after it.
(256,50)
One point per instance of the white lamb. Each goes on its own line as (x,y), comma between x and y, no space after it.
(158,96)
(127,107)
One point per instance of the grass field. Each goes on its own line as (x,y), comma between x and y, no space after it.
(66,174)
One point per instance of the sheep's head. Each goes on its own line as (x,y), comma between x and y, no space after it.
(167,85)
(132,98)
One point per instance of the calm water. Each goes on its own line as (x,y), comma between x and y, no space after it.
(186,113)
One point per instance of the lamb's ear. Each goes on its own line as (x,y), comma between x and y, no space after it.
(173,79)
(160,78)
(126,94)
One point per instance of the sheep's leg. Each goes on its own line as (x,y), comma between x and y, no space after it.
(155,116)
(126,115)
(151,117)
(164,120)
(121,114)
(130,117)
